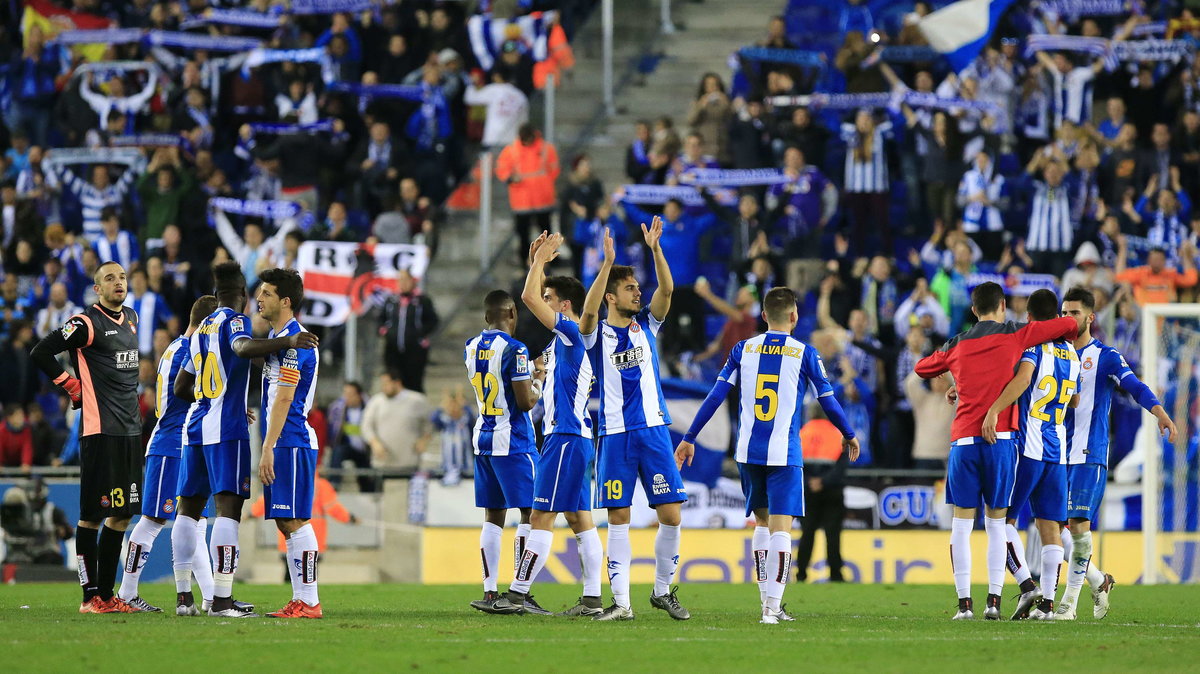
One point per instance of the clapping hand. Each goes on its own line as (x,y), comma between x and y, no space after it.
(653,235)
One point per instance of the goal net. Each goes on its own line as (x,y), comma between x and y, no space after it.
(1170,366)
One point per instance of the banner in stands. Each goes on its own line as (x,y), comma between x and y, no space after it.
(344,277)
(723,556)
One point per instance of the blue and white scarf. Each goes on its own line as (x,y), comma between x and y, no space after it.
(797,57)
(330,6)
(106,36)
(908,54)
(661,194)
(487,35)
(232,17)
(225,43)
(261,56)
(146,140)
(282,129)
(1096,46)
(710,177)
(1073,9)
(101,155)
(411,92)
(270,210)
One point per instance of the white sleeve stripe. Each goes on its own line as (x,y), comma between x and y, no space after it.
(825,394)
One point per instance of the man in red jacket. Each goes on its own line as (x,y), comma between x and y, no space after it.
(16,441)
(981,360)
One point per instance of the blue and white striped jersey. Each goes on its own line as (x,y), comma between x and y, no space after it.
(1043,406)
(222,380)
(1103,368)
(871,173)
(153,314)
(1073,95)
(772,371)
(494,361)
(568,381)
(171,410)
(1050,228)
(625,361)
(296,368)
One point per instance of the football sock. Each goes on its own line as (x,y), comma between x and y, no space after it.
(293,572)
(591,559)
(1077,569)
(201,563)
(537,551)
(183,551)
(779,564)
(1068,543)
(85,555)
(620,557)
(1095,577)
(1016,555)
(666,557)
(108,558)
(997,550)
(489,552)
(758,548)
(960,555)
(519,545)
(224,556)
(1052,558)
(141,540)
(305,555)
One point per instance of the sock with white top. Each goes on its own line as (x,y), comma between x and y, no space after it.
(960,555)
(1052,558)
(305,554)
(1078,567)
(293,572)
(224,549)
(141,540)
(591,559)
(1016,555)
(537,551)
(779,564)
(620,557)
(758,548)
(997,550)
(489,552)
(666,557)
(183,549)
(201,562)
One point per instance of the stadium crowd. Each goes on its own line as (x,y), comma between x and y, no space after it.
(173,135)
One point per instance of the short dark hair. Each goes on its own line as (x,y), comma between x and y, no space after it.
(678,202)
(568,289)
(986,298)
(109,213)
(779,303)
(288,284)
(202,308)
(1042,304)
(496,302)
(109,263)
(618,273)
(228,279)
(354,385)
(1082,295)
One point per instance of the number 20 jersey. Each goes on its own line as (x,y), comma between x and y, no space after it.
(772,372)
(222,380)
(494,361)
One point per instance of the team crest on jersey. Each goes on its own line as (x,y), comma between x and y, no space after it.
(1087,363)
(169,506)
(635,327)
(104,501)
(522,363)
(660,485)
(133,327)
(69,329)
(246,484)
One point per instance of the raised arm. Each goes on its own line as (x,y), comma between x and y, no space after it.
(660,304)
(233,243)
(541,251)
(590,315)
(1016,386)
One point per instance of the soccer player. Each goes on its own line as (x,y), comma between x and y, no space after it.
(103,343)
(1104,369)
(216,459)
(288,465)
(773,371)
(161,481)
(981,360)
(1045,386)
(562,484)
(634,441)
(500,372)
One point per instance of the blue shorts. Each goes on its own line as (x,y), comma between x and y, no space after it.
(646,453)
(1085,490)
(503,482)
(212,469)
(562,483)
(290,496)
(160,497)
(981,474)
(1044,486)
(779,489)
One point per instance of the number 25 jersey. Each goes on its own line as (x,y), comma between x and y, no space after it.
(1043,406)
(222,380)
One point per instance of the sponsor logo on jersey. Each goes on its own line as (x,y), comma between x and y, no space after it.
(1123,363)
(168,506)
(278,506)
(126,360)
(660,486)
(238,324)
(109,333)
(68,329)
(821,367)
(522,363)
(623,360)
(1087,363)
(134,497)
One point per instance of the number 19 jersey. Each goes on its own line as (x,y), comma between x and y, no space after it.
(773,371)
(222,380)
(1043,406)
(494,361)
(625,362)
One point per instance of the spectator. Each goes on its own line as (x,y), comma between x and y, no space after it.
(981,196)
(637,157)
(335,227)
(529,165)
(1087,271)
(805,133)
(583,193)
(376,167)
(750,135)
(346,420)
(710,115)
(741,322)
(116,100)
(862,75)
(252,250)
(1156,283)
(454,421)
(939,163)
(17,370)
(866,182)
(507,107)
(589,236)
(46,442)
(15,306)
(745,224)
(32,83)
(406,325)
(299,100)
(1187,150)
(824,493)
(1126,168)
(692,157)
(421,214)
(1050,237)
(950,287)
(152,310)
(1114,110)
(56,313)
(95,196)
(1166,225)
(396,425)
(301,158)
(802,205)
(16,440)
(162,189)
(776,35)
(931,420)
(923,309)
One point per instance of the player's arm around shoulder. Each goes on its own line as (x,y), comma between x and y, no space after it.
(1038,332)
(244,344)
(1016,386)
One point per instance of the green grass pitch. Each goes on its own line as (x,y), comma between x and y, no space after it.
(865,628)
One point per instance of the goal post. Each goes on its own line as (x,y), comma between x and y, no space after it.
(1170,351)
